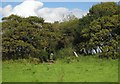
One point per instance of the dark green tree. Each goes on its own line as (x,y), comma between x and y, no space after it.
(21,38)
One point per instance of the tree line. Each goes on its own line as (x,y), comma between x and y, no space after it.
(96,33)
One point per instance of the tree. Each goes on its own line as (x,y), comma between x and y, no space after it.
(99,31)
(104,9)
(21,38)
(101,34)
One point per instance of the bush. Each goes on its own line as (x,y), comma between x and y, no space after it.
(66,52)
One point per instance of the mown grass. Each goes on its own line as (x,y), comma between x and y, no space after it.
(86,69)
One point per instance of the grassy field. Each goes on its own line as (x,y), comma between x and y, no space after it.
(87,69)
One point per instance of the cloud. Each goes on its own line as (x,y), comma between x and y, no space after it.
(0,10)
(34,8)
(78,12)
(6,10)
(58,14)
(53,14)
(27,8)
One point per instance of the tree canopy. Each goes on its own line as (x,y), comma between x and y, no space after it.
(96,33)
(100,30)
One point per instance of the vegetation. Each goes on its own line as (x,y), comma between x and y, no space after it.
(97,32)
(26,40)
(91,70)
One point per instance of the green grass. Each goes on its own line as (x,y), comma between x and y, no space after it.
(0,71)
(87,69)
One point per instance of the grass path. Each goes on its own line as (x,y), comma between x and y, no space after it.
(86,70)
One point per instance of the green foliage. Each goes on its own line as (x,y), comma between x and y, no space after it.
(20,37)
(65,53)
(100,31)
(32,37)
(35,19)
(104,9)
